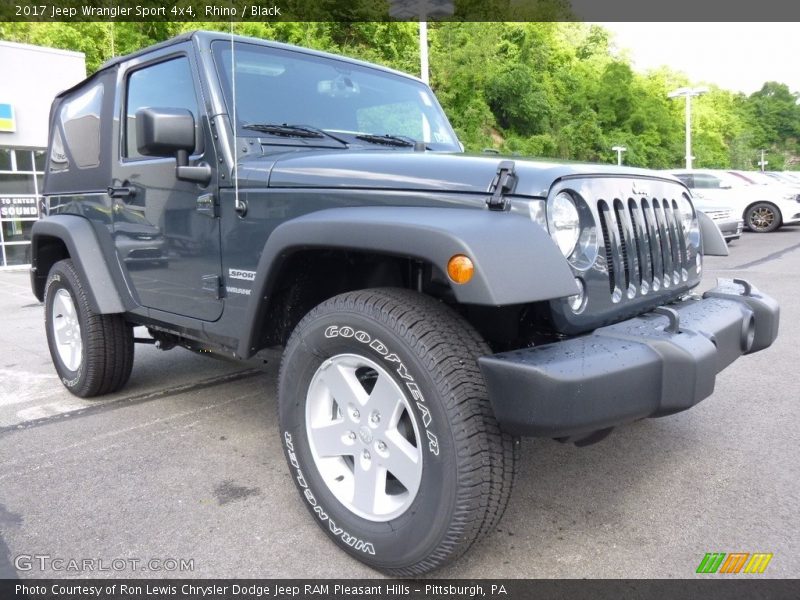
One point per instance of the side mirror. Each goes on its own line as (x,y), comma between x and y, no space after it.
(164,131)
(170,132)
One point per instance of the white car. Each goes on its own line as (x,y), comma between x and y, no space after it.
(763,207)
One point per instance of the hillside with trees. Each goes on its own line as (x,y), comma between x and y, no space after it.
(540,89)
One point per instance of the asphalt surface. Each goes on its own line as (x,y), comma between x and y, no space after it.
(185,463)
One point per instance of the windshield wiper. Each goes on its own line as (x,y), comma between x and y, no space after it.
(387,140)
(285,130)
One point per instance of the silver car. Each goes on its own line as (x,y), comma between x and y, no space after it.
(727,217)
(764,208)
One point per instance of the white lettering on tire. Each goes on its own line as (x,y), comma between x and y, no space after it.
(350,540)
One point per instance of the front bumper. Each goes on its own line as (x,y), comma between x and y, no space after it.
(652,365)
(731,230)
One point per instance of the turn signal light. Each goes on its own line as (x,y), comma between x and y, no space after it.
(460,268)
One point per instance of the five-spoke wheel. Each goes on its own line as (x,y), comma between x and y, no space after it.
(388,431)
(364,437)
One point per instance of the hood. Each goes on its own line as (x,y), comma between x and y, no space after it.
(424,171)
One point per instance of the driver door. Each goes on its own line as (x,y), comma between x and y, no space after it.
(167,239)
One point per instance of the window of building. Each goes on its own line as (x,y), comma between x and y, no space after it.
(20,185)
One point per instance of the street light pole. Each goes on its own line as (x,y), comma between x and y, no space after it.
(423,51)
(688,93)
(423,11)
(619,150)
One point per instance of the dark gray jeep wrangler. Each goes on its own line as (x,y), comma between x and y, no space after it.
(233,195)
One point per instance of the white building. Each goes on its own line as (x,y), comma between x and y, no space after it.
(32,76)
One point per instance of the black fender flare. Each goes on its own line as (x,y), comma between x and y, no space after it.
(86,252)
(516,261)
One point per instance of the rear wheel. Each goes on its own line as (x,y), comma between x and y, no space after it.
(92,353)
(388,431)
(763,217)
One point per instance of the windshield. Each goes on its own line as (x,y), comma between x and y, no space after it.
(284,87)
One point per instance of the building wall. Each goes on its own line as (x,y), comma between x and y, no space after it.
(31,77)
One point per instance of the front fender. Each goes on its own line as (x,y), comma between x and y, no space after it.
(80,239)
(516,262)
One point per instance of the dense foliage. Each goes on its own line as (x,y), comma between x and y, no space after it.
(540,89)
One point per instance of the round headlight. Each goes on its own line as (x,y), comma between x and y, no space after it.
(687,214)
(564,221)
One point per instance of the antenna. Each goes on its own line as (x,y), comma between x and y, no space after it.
(238,207)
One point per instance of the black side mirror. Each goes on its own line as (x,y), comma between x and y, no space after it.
(170,132)
(164,131)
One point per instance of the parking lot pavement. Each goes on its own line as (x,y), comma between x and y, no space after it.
(186,463)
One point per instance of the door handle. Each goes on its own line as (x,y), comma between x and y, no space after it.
(121,192)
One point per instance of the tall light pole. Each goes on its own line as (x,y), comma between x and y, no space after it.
(422,10)
(688,93)
(423,51)
(619,150)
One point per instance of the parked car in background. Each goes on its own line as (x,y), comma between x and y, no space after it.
(793,176)
(727,217)
(759,178)
(784,177)
(764,208)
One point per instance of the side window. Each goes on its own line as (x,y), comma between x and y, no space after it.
(80,119)
(687,179)
(703,180)
(164,85)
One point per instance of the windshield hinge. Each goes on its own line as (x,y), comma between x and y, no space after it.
(212,284)
(503,183)
(207,205)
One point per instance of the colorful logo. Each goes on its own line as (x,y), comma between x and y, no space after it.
(7,121)
(735,562)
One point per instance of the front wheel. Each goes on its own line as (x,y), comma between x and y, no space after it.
(388,431)
(763,217)
(92,353)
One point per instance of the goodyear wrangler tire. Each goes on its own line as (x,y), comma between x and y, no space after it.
(92,353)
(388,431)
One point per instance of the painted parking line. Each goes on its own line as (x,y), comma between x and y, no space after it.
(44,412)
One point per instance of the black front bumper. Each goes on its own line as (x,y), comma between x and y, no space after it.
(653,365)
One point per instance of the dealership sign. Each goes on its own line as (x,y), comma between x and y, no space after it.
(7,121)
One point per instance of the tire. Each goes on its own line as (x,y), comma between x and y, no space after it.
(449,484)
(92,353)
(762,217)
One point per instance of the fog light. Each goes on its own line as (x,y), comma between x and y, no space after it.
(577,302)
(460,268)
(699,262)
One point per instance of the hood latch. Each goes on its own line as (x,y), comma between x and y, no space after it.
(503,183)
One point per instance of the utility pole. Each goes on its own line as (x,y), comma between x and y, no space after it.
(688,93)
(762,163)
(619,150)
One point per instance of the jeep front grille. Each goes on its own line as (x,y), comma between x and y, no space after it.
(645,246)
